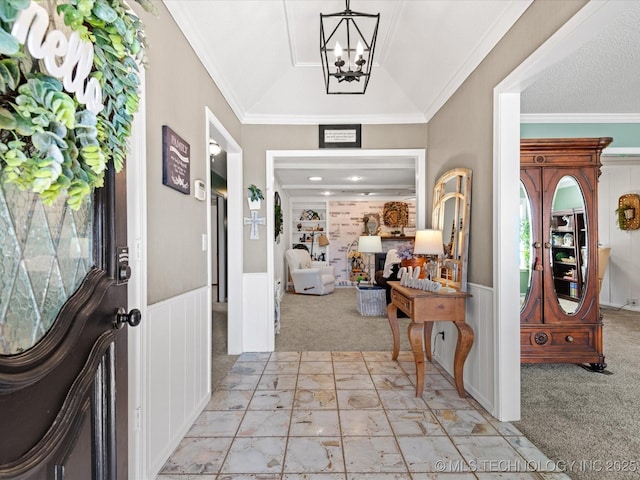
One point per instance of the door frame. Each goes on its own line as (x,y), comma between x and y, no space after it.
(235,198)
(583,26)
(419,156)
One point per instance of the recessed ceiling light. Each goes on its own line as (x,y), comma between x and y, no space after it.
(326,193)
(355,178)
(315,179)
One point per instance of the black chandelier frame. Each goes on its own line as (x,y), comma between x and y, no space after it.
(347,21)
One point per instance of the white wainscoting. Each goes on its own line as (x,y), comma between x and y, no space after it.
(257,313)
(176,368)
(479,370)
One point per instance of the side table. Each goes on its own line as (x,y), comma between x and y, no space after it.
(424,308)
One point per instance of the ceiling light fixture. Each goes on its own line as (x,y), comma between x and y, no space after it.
(352,51)
(315,179)
(214,148)
(355,178)
(327,193)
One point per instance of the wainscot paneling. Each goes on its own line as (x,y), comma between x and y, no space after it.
(176,371)
(258,301)
(621,280)
(479,370)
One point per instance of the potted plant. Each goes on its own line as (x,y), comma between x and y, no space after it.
(254,197)
(408,259)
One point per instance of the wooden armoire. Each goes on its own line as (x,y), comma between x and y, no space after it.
(560,319)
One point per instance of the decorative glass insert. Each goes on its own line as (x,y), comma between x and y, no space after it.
(45,253)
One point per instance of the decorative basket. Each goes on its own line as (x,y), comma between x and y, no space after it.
(372,301)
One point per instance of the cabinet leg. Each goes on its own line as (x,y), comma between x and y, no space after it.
(597,367)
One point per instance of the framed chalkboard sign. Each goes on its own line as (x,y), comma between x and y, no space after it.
(176,161)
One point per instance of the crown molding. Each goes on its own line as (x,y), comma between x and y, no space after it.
(580,118)
(262,119)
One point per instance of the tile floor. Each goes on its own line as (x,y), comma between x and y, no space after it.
(348,416)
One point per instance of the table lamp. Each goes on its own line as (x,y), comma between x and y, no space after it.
(429,243)
(369,244)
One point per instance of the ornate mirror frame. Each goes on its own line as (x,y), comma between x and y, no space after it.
(451,214)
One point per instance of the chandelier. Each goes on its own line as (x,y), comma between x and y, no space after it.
(351,41)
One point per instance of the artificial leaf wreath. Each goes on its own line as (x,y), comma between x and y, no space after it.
(52,141)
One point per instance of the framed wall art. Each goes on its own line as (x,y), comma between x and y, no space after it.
(176,161)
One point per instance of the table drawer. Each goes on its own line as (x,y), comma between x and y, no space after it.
(403,303)
(438,309)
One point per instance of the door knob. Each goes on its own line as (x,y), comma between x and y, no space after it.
(547,245)
(133,318)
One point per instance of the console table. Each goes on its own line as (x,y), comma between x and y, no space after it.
(424,308)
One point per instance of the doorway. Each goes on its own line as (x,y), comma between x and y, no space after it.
(335,159)
(506,146)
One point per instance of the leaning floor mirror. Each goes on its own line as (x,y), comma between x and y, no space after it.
(451,214)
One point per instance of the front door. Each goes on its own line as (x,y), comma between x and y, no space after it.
(63,362)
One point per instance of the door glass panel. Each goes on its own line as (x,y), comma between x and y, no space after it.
(568,238)
(526,251)
(46,253)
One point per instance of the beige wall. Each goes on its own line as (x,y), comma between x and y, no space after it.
(461,133)
(257,139)
(178,90)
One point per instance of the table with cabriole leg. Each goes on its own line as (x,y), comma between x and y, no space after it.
(425,308)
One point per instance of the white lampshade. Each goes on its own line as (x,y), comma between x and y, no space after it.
(369,244)
(428,242)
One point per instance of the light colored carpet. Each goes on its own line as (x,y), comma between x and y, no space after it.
(332,323)
(574,415)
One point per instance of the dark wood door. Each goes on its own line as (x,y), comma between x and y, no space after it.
(63,401)
(531,312)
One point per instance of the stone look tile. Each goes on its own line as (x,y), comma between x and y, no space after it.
(316,367)
(254,357)
(372,454)
(392,382)
(265,423)
(314,455)
(197,455)
(358,368)
(285,357)
(316,357)
(387,367)
(313,476)
(272,400)
(532,454)
(372,425)
(378,476)
(229,400)
(346,356)
(277,382)
(319,381)
(239,382)
(490,454)
(464,422)
(443,399)
(414,422)
(282,367)
(358,399)
(248,368)
(314,423)
(255,455)
(240,476)
(431,454)
(315,399)
(212,423)
(368,423)
(345,381)
(401,399)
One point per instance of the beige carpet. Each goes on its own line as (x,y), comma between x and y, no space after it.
(574,415)
(332,323)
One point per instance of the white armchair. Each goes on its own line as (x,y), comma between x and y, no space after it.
(309,277)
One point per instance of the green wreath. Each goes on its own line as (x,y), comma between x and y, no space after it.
(51,143)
